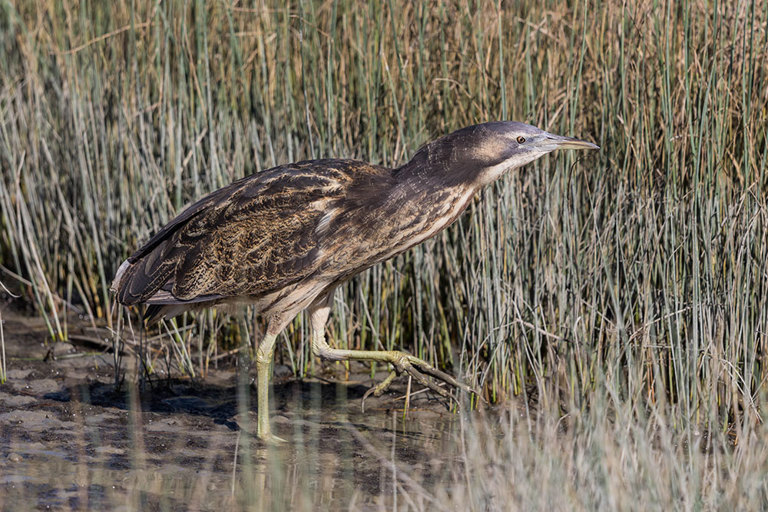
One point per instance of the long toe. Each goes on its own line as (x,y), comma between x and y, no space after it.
(378,389)
(412,366)
(440,375)
(426,382)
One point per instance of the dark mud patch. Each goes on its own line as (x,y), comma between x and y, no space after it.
(71,439)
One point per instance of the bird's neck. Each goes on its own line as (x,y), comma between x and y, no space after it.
(443,164)
(434,169)
(428,190)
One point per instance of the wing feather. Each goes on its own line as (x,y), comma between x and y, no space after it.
(252,237)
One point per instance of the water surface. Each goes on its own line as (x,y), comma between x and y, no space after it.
(69,439)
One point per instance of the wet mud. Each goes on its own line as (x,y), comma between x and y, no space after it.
(71,440)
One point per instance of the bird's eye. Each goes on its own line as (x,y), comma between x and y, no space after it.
(520,139)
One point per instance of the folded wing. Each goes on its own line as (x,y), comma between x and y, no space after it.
(257,235)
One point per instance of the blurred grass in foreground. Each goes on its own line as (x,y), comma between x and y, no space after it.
(634,278)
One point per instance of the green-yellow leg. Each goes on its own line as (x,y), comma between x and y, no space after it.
(263,359)
(400,360)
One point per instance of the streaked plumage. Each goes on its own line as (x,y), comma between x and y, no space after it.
(285,238)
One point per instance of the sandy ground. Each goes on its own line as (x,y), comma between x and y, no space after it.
(70,440)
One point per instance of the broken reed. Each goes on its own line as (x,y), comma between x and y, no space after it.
(642,266)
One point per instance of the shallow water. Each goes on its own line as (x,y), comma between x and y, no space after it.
(70,440)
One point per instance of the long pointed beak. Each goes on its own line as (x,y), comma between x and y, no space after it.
(570,143)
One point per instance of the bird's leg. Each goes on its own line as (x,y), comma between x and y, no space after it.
(402,362)
(263,359)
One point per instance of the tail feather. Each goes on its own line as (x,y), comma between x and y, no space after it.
(155,312)
(137,281)
(133,285)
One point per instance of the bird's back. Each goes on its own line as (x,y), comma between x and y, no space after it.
(253,237)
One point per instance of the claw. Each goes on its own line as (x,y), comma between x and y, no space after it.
(378,389)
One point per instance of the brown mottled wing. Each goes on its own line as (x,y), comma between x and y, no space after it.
(254,236)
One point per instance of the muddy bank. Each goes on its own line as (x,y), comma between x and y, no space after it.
(69,439)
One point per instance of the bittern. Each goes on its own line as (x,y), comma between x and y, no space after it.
(283,239)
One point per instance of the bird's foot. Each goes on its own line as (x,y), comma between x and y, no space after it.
(419,370)
(379,388)
(271,439)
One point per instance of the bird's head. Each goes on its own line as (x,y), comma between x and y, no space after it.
(482,153)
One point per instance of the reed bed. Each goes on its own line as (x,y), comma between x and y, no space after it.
(634,278)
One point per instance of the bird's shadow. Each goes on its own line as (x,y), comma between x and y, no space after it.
(324,403)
